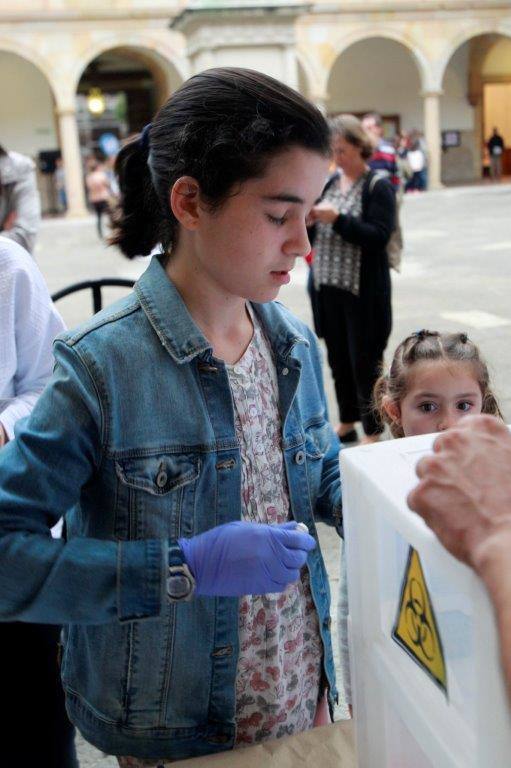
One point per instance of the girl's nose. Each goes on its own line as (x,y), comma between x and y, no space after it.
(446,421)
(298,245)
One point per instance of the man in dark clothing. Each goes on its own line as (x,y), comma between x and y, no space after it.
(384,157)
(496,150)
(384,161)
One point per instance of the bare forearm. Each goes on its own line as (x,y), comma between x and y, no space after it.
(492,560)
(504,626)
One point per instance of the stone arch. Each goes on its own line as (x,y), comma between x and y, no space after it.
(461,74)
(310,74)
(477,29)
(158,55)
(395,93)
(29,130)
(11,45)
(377,32)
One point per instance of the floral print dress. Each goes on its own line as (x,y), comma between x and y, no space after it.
(279,665)
(280,647)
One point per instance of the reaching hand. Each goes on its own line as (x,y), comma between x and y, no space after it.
(324,212)
(241,558)
(464,493)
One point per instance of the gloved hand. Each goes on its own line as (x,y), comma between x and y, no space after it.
(241,558)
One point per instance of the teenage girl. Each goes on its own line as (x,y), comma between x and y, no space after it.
(434,380)
(184,434)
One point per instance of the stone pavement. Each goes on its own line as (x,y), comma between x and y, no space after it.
(456,275)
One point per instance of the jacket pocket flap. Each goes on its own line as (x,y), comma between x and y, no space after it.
(158,474)
(317,440)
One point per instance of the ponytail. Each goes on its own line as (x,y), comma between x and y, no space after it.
(381,389)
(138,220)
(491,405)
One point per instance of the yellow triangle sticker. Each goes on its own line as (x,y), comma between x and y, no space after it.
(415,629)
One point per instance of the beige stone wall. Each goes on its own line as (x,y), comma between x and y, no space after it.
(431,41)
(84,8)
(64,49)
(301,44)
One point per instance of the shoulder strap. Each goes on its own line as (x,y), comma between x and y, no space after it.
(374,178)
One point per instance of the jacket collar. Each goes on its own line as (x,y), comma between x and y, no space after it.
(178,333)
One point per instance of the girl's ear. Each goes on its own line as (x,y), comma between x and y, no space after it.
(392,409)
(184,201)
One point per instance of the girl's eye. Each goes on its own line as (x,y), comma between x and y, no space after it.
(427,407)
(464,405)
(274,220)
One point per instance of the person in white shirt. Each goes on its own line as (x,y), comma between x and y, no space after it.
(20,206)
(28,325)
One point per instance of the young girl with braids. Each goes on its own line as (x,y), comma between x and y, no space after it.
(434,380)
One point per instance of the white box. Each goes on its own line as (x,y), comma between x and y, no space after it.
(403,718)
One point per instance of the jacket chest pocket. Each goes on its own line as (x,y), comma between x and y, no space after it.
(156,496)
(317,443)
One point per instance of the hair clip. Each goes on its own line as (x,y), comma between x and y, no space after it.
(463,338)
(143,139)
(420,335)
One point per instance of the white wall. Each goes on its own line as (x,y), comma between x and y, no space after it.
(456,112)
(377,74)
(27,120)
(267,59)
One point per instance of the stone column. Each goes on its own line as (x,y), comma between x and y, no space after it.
(320,100)
(291,68)
(432,135)
(72,161)
(203,59)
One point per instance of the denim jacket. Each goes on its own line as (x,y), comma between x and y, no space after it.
(134,441)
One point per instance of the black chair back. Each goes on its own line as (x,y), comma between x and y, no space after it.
(95,286)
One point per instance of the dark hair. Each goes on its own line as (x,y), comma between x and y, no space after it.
(350,128)
(221,127)
(378,120)
(430,345)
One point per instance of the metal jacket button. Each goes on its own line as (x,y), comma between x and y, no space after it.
(285,371)
(219,738)
(299,457)
(226,464)
(161,479)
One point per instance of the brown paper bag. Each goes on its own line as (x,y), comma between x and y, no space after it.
(331,746)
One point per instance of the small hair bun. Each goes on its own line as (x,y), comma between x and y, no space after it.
(143,139)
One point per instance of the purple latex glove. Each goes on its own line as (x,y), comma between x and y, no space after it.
(246,558)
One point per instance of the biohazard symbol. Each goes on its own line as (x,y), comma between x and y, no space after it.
(416,629)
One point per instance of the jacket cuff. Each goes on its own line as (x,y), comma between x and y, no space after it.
(338,520)
(142,573)
(9,417)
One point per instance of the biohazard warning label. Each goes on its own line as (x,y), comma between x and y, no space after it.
(416,630)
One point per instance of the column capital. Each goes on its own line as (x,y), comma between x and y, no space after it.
(65,111)
(432,92)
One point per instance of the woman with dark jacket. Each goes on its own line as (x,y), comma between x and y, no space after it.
(353,224)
